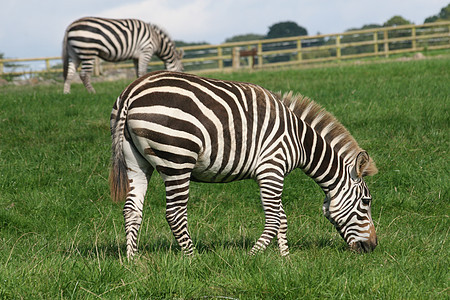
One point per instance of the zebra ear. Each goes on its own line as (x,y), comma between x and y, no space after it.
(180,53)
(362,166)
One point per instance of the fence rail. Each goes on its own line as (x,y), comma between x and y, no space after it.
(383,41)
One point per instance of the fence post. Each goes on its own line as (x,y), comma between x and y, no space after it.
(386,44)
(338,47)
(219,53)
(96,66)
(299,50)
(47,64)
(375,45)
(260,57)
(413,37)
(236,58)
(1,67)
(251,58)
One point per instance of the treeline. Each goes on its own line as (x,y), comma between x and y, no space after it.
(289,28)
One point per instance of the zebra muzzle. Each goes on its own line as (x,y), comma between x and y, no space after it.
(364,246)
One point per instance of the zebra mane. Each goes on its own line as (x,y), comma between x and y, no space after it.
(325,124)
(162,32)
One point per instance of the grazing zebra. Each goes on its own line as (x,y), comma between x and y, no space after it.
(191,128)
(115,40)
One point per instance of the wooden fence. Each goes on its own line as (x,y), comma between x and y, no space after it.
(383,41)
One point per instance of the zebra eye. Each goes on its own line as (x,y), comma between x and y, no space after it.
(357,180)
(366,201)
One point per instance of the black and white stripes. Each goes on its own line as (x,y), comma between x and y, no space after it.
(191,128)
(114,40)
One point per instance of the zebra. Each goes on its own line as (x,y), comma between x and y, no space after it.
(191,128)
(115,40)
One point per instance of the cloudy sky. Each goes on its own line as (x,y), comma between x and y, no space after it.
(35,28)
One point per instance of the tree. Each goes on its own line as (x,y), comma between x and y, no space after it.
(285,29)
(370,26)
(245,37)
(189,54)
(184,44)
(444,15)
(396,21)
(398,33)
(360,37)
(10,66)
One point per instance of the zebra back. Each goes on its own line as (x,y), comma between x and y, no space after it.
(233,123)
(109,39)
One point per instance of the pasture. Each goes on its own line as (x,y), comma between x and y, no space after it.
(62,237)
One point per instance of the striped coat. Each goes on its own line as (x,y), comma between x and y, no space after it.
(115,40)
(190,128)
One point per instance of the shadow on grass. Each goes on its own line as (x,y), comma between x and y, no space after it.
(319,243)
(170,246)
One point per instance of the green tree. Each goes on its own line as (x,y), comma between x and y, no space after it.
(398,33)
(245,37)
(443,15)
(2,56)
(360,37)
(192,53)
(396,21)
(285,29)
(184,44)
(10,66)
(279,30)
(370,26)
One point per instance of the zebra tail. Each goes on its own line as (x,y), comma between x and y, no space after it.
(118,178)
(65,56)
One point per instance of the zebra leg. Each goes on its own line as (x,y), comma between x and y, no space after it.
(136,66)
(87,67)
(270,188)
(71,70)
(143,61)
(139,172)
(281,236)
(177,196)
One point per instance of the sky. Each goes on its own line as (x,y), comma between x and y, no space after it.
(35,28)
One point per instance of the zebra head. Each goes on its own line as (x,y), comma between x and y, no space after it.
(347,205)
(174,63)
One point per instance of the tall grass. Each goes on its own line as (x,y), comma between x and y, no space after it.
(62,237)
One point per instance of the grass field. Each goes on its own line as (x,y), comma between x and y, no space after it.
(62,237)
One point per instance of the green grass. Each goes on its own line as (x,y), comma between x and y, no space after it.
(62,237)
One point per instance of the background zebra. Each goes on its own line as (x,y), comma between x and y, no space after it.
(115,40)
(190,128)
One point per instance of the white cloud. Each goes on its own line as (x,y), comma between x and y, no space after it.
(188,20)
(209,20)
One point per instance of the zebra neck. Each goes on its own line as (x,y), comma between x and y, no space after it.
(319,160)
(164,49)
